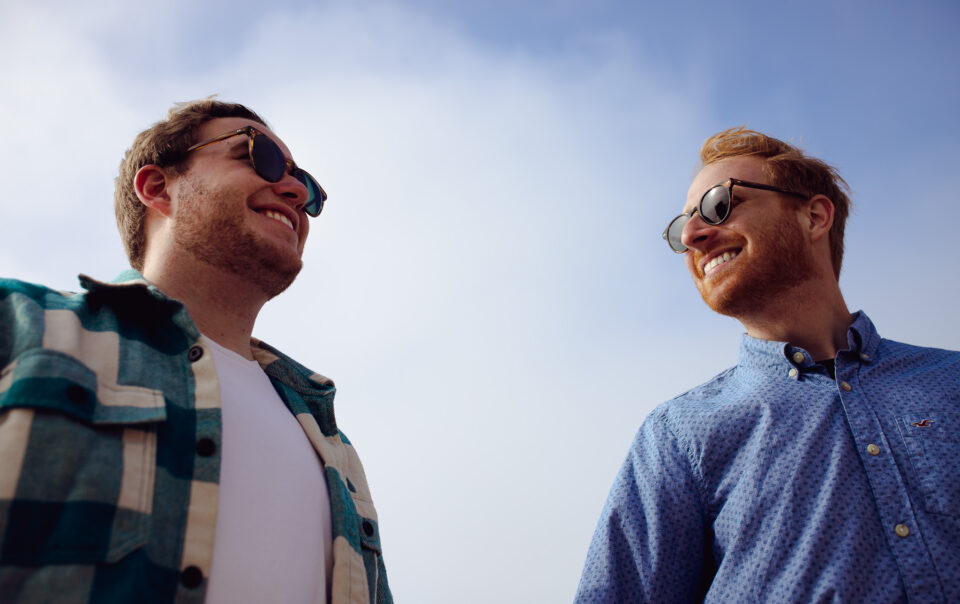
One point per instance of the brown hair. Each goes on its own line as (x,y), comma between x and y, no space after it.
(165,144)
(789,168)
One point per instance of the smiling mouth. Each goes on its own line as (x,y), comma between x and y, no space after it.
(718,260)
(278,217)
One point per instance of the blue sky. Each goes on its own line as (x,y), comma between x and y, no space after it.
(487,284)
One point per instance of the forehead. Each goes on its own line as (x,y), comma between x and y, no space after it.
(220,125)
(743,168)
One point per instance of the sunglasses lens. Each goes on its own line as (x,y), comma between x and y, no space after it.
(270,164)
(715,205)
(268,159)
(674,233)
(316,194)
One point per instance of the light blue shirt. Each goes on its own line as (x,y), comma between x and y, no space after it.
(774,482)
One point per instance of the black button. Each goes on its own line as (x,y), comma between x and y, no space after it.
(194,353)
(206,447)
(191,576)
(77,395)
(368,528)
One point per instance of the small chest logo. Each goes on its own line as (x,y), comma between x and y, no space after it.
(926,423)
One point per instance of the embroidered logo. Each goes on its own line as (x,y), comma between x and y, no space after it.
(923,424)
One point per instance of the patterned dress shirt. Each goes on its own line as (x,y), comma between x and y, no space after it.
(774,482)
(110,441)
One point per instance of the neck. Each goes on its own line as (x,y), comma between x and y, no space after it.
(223,305)
(812,316)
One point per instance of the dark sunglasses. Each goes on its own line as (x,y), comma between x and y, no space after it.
(270,164)
(714,208)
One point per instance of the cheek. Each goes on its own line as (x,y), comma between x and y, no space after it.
(691,265)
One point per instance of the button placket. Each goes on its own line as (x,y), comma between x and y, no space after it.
(902,533)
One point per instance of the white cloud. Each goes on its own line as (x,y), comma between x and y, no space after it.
(487,285)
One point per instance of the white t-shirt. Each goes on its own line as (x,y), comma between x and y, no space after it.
(274,537)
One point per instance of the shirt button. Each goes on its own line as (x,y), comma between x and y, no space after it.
(798,357)
(194,354)
(846,386)
(77,394)
(206,447)
(191,576)
(902,530)
(864,356)
(793,372)
(873,449)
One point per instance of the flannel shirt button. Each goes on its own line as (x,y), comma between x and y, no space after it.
(368,528)
(902,530)
(846,386)
(77,395)
(206,447)
(191,576)
(194,354)
(873,449)
(798,357)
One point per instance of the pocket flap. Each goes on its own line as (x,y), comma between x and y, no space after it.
(47,379)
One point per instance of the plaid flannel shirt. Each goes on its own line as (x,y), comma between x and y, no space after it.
(110,450)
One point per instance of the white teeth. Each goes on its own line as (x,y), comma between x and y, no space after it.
(278,216)
(718,260)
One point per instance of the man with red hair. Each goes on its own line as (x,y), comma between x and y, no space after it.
(824,465)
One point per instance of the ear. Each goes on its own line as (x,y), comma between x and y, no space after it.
(818,216)
(151,183)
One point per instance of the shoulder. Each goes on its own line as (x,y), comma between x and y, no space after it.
(24,309)
(713,418)
(905,366)
(710,400)
(893,350)
(38,294)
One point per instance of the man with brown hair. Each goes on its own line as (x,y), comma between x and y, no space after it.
(823,466)
(152,449)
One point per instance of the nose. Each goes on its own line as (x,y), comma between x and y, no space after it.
(697,234)
(292,190)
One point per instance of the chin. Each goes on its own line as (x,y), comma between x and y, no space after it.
(729,301)
(276,281)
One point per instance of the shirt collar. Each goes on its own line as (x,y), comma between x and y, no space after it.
(768,355)
(130,290)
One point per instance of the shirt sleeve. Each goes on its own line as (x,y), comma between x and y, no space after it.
(651,542)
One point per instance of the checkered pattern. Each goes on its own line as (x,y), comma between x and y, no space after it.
(105,494)
(774,482)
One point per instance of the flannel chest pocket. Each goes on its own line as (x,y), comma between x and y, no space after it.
(79,462)
(933,444)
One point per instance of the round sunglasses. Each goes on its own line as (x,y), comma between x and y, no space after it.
(270,164)
(714,208)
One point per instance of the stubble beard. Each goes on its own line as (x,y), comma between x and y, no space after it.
(214,231)
(778,262)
